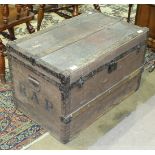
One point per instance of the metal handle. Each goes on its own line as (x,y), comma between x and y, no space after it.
(34,83)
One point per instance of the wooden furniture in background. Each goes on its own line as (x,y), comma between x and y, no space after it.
(97,7)
(56,8)
(10,16)
(129,12)
(73,8)
(145,16)
(2,63)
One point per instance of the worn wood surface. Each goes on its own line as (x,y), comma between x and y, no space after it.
(67,74)
(102,104)
(103,80)
(81,41)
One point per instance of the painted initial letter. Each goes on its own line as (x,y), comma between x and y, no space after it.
(35,98)
(22,89)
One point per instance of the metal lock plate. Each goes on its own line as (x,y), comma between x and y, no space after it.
(81,82)
(112,66)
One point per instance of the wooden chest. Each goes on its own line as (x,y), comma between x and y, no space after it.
(67,76)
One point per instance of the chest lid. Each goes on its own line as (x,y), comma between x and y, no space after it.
(75,45)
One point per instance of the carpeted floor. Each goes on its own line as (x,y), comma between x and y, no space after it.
(16,129)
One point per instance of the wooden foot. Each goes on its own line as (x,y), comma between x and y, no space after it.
(11,33)
(75,10)
(30,27)
(2,63)
(97,7)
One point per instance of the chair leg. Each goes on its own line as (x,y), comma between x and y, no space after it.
(30,6)
(11,33)
(129,12)
(30,27)
(2,63)
(97,7)
(40,16)
(75,10)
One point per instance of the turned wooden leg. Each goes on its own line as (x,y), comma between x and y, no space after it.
(30,27)
(30,6)
(11,33)
(129,12)
(5,13)
(75,10)
(40,16)
(19,7)
(97,7)
(2,63)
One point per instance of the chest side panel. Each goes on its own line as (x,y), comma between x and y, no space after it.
(100,105)
(36,96)
(102,80)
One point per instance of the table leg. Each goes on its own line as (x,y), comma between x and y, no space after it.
(129,12)
(2,63)
(75,10)
(97,7)
(40,16)
(11,33)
